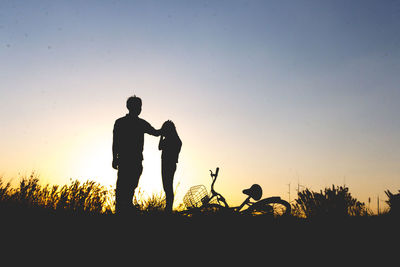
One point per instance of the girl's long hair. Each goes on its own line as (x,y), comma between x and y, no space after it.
(170,128)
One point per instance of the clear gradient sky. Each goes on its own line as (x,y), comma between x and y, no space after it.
(273,92)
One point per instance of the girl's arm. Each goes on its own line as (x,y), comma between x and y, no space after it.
(161,143)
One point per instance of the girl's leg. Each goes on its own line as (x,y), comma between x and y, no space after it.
(168,173)
(169,193)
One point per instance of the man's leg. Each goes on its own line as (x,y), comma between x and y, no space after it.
(128,179)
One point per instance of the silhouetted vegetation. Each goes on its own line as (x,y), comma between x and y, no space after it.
(154,203)
(77,197)
(335,202)
(87,197)
(92,198)
(393,202)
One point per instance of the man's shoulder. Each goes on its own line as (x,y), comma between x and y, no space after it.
(143,121)
(119,120)
(127,119)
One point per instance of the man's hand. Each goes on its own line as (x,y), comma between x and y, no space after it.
(115,164)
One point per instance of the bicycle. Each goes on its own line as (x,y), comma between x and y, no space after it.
(197,200)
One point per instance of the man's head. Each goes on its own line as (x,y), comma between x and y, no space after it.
(134,105)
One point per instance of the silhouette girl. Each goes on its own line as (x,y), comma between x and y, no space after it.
(170,144)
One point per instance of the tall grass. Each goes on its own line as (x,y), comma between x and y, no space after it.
(154,203)
(88,197)
(78,197)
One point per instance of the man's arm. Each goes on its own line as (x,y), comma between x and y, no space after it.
(150,130)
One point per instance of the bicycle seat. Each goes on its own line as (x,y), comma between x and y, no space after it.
(255,191)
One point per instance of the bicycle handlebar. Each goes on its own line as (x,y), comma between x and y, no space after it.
(214,175)
(220,198)
(214,178)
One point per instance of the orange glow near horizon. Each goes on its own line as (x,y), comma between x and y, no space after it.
(81,149)
(87,156)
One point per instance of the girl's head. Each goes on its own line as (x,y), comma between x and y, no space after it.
(168,128)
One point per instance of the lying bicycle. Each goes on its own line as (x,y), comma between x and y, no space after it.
(197,200)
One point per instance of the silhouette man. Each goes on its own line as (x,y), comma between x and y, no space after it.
(170,144)
(128,139)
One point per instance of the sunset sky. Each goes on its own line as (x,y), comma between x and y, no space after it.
(272,92)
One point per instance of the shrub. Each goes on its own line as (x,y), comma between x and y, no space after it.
(335,202)
(393,202)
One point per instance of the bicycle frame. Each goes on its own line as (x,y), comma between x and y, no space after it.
(220,198)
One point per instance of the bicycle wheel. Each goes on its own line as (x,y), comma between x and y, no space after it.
(212,209)
(190,212)
(274,206)
(207,209)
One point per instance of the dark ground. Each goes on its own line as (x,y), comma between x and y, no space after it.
(209,239)
(158,236)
